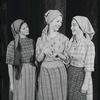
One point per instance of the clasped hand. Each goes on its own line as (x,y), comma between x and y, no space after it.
(11,87)
(48,51)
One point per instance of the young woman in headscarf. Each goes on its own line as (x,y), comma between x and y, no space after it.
(20,60)
(50,51)
(82,55)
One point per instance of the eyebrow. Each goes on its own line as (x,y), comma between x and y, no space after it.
(77,23)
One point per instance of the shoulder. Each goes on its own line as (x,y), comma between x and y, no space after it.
(88,42)
(64,37)
(38,40)
(91,45)
(29,39)
(11,44)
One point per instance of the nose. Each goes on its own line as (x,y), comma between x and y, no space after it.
(27,28)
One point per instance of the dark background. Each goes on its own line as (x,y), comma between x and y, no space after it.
(32,11)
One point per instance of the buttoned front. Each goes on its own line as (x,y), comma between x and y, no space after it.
(82,54)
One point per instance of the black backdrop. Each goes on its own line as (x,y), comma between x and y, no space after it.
(32,12)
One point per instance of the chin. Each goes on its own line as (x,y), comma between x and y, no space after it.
(74,33)
(27,33)
(56,30)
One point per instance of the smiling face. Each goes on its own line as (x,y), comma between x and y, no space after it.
(24,30)
(56,23)
(75,27)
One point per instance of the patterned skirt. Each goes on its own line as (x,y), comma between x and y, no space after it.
(75,80)
(53,83)
(24,88)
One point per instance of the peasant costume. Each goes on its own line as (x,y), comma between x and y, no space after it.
(82,54)
(24,88)
(53,75)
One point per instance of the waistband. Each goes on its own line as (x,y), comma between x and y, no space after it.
(52,64)
(32,64)
(51,59)
(77,63)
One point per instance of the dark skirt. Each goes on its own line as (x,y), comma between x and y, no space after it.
(75,80)
(53,83)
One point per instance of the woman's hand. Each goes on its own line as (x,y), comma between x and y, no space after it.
(55,56)
(84,87)
(86,81)
(48,52)
(61,56)
(11,87)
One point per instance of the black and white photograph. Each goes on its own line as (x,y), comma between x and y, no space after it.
(49,50)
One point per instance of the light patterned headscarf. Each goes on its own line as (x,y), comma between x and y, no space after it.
(49,16)
(85,26)
(15,27)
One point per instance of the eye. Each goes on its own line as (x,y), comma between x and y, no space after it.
(23,27)
(74,24)
(59,21)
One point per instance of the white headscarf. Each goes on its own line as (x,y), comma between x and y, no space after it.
(85,26)
(15,27)
(49,16)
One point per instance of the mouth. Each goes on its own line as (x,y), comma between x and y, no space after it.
(57,27)
(27,31)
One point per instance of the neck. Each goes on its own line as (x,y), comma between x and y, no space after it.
(22,36)
(52,33)
(79,36)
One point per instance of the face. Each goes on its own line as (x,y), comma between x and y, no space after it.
(24,29)
(75,27)
(56,23)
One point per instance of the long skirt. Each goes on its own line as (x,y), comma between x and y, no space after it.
(24,88)
(75,80)
(53,83)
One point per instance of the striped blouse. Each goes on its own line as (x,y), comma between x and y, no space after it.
(27,51)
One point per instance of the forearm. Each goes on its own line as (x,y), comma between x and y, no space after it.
(61,56)
(40,57)
(87,77)
(10,71)
(64,58)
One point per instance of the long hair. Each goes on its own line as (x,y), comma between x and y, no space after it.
(17,61)
(18,56)
(15,28)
